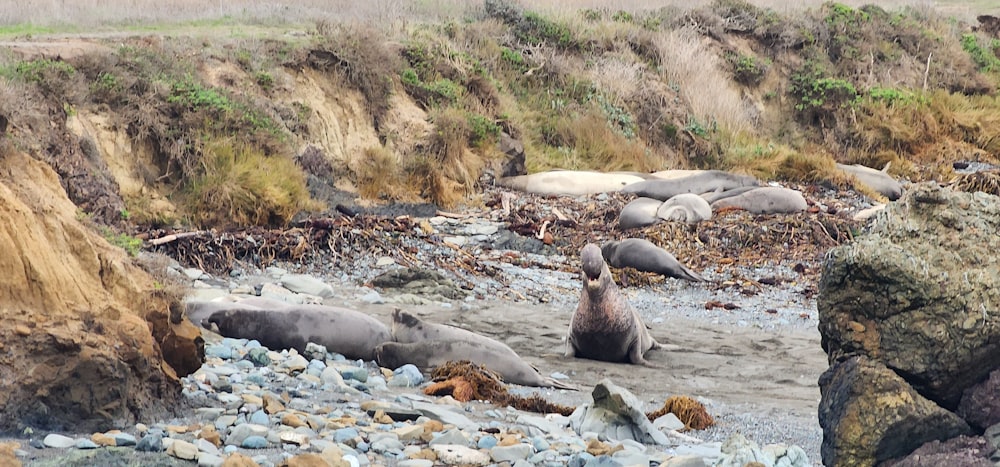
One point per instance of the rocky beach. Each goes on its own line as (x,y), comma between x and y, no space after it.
(744,344)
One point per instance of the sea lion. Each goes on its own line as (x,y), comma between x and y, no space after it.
(698,183)
(765,200)
(643,255)
(685,207)
(433,344)
(277,325)
(714,196)
(433,353)
(878,180)
(639,212)
(604,326)
(569,182)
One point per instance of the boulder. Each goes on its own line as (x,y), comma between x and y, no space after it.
(617,415)
(966,451)
(88,342)
(919,291)
(869,414)
(980,405)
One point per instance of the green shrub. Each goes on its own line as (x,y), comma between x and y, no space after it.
(984,57)
(482,131)
(816,91)
(130,244)
(38,71)
(747,69)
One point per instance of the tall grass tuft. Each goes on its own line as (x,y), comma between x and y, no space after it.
(241,186)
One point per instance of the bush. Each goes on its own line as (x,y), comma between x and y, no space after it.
(241,186)
(747,69)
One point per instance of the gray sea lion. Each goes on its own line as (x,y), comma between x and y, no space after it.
(714,196)
(439,343)
(281,326)
(569,182)
(685,207)
(604,326)
(639,212)
(698,183)
(643,255)
(878,180)
(433,353)
(765,200)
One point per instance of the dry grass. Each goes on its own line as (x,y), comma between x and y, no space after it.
(378,174)
(117,13)
(698,72)
(240,187)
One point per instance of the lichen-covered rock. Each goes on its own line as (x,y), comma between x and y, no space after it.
(86,340)
(869,415)
(966,451)
(920,291)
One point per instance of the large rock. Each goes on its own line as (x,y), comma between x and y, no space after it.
(87,340)
(869,414)
(966,451)
(920,291)
(616,414)
(980,404)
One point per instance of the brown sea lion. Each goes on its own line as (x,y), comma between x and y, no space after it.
(698,183)
(604,326)
(766,200)
(427,344)
(569,182)
(643,255)
(278,325)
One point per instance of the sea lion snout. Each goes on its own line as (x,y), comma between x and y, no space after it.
(593,261)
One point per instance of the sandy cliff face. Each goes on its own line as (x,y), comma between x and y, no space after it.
(86,339)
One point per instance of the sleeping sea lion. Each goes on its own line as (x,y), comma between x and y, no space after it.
(278,325)
(569,182)
(765,200)
(640,212)
(643,255)
(604,326)
(878,180)
(685,207)
(701,182)
(427,344)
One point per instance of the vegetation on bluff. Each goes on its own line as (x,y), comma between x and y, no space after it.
(729,85)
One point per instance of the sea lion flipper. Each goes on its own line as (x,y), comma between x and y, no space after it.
(560,385)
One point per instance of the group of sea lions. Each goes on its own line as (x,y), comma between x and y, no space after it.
(603,327)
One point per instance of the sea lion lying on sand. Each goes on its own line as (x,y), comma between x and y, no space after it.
(569,182)
(878,180)
(643,255)
(278,325)
(427,345)
(765,200)
(701,182)
(604,326)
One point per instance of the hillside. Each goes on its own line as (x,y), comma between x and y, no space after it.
(225,126)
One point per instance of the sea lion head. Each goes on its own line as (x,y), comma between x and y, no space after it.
(593,265)
(403,321)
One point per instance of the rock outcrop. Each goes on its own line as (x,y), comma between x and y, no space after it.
(87,339)
(912,303)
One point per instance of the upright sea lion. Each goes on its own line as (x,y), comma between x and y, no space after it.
(685,207)
(643,255)
(569,182)
(765,200)
(278,325)
(604,326)
(639,212)
(698,183)
(427,344)
(878,180)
